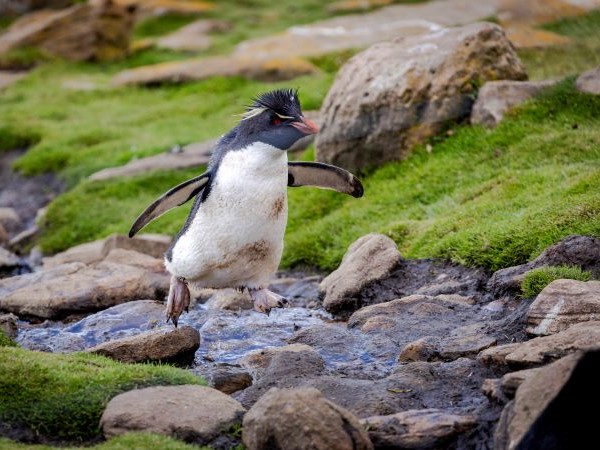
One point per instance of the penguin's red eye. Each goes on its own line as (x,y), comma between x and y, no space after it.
(275,121)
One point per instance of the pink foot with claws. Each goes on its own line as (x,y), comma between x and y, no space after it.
(264,300)
(178,300)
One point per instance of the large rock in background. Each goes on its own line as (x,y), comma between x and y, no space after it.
(396,94)
(95,31)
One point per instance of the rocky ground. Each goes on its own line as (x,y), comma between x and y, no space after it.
(383,352)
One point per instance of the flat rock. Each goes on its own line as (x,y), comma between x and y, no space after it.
(230,299)
(542,11)
(354,31)
(563,303)
(495,98)
(229,378)
(356,5)
(395,95)
(154,245)
(368,259)
(94,31)
(547,412)
(545,349)
(574,250)
(76,288)
(178,344)
(262,69)
(194,36)
(301,419)
(195,414)
(524,35)
(191,155)
(153,8)
(424,428)
(589,82)
(302,358)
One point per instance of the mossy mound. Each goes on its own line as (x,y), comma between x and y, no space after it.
(537,279)
(47,397)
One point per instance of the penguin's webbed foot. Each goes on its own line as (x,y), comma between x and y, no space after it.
(264,300)
(178,300)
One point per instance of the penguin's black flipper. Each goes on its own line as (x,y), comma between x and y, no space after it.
(324,176)
(170,199)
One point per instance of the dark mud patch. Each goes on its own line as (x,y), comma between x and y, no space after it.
(27,195)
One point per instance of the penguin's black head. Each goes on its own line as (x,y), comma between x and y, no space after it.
(275,118)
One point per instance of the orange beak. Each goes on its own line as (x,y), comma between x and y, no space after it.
(306,126)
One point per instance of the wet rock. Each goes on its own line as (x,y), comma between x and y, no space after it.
(177,344)
(271,69)
(396,94)
(195,414)
(574,250)
(301,419)
(230,299)
(121,321)
(495,98)
(193,37)
(294,360)
(229,378)
(368,259)
(426,428)
(76,288)
(191,155)
(10,220)
(95,31)
(8,260)
(589,82)
(545,349)
(8,325)
(465,341)
(301,291)
(563,303)
(547,411)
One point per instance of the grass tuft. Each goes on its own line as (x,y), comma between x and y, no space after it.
(61,397)
(537,279)
(6,341)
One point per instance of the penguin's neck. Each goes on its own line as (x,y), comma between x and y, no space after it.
(257,160)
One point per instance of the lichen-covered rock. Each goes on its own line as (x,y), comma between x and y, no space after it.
(495,98)
(301,419)
(368,259)
(192,413)
(178,344)
(94,31)
(394,95)
(563,303)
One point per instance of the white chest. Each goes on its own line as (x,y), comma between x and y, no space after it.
(236,237)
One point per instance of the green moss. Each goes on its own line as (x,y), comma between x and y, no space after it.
(137,441)
(537,279)
(6,341)
(13,137)
(490,198)
(61,397)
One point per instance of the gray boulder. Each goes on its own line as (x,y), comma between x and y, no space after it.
(301,419)
(192,413)
(397,94)
(170,345)
(563,303)
(589,82)
(495,98)
(370,258)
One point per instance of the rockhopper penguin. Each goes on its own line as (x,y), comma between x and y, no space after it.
(233,236)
